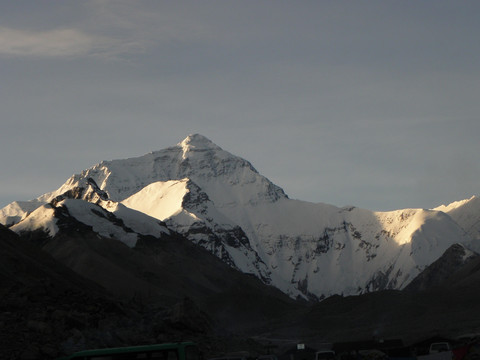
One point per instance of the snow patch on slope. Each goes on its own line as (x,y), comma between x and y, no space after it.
(98,219)
(18,210)
(161,199)
(138,221)
(455,205)
(113,220)
(42,218)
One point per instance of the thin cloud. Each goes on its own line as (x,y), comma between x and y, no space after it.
(57,43)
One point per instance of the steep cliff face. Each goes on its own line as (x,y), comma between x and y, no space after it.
(220,202)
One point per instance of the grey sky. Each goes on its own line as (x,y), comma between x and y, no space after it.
(367,103)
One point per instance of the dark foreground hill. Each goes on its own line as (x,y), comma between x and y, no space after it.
(43,304)
(388,315)
(444,300)
(77,291)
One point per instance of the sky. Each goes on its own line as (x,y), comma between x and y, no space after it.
(374,104)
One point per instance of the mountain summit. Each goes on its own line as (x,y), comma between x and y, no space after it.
(220,202)
(197,142)
(195,158)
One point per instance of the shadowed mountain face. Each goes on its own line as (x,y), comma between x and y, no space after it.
(24,264)
(77,290)
(456,267)
(166,272)
(42,301)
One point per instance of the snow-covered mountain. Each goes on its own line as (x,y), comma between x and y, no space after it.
(467,214)
(219,201)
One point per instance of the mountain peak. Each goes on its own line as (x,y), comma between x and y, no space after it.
(197,142)
(454,205)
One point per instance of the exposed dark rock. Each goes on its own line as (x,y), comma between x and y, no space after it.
(96,189)
(454,259)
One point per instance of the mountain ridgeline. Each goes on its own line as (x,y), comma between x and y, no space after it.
(219,202)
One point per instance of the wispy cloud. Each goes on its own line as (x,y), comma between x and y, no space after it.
(113,30)
(57,43)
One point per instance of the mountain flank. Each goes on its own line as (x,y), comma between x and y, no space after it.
(222,203)
(192,241)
